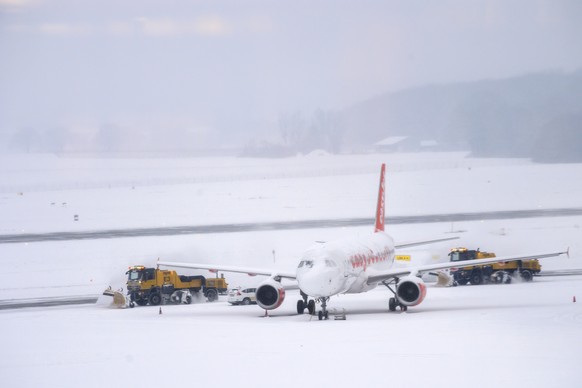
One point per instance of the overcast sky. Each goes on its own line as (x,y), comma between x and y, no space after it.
(222,66)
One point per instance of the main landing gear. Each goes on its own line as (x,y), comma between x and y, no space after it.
(303,304)
(393,302)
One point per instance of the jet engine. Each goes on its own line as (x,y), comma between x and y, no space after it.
(270,294)
(411,291)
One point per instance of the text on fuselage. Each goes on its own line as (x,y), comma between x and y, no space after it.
(363,260)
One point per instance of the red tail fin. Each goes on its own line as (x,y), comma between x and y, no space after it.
(380,207)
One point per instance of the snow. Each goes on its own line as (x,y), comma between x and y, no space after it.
(522,334)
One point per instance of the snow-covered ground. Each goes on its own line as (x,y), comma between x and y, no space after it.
(518,334)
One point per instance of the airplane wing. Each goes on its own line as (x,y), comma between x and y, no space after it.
(225,268)
(423,242)
(419,270)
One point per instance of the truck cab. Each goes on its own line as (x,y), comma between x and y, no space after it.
(462,254)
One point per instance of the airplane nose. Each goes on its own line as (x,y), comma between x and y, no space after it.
(319,284)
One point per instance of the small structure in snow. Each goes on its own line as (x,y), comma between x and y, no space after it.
(390,144)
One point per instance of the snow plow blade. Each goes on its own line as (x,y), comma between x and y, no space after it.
(119,300)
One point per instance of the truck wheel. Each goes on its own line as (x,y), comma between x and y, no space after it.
(188,299)
(462,282)
(497,277)
(211,295)
(246,301)
(155,299)
(476,278)
(131,304)
(526,275)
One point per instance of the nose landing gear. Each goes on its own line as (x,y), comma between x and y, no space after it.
(323,313)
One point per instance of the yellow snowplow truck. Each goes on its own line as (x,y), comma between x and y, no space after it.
(490,273)
(155,286)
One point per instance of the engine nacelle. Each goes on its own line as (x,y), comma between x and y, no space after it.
(411,290)
(270,294)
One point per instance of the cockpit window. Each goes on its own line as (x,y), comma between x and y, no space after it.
(306,263)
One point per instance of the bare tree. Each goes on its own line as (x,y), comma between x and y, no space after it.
(292,127)
(26,139)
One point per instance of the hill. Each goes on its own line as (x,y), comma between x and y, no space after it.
(512,117)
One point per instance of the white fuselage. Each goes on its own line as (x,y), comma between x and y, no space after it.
(344,266)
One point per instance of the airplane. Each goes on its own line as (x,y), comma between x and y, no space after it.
(354,265)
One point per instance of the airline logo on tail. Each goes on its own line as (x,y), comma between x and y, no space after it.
(380,208)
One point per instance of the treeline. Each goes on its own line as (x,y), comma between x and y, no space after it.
(107,139)
(560,141)
(300,133)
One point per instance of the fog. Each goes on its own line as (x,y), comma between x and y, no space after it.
(225,76)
